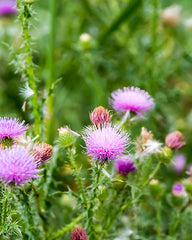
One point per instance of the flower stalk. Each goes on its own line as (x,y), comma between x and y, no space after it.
(25,13)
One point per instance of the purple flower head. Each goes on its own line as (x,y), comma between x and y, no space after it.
(11,127)
(106,143)
(131,99)
(78,233)
(7,7)
(17,165)
(124,165)
(179,163)
(178,189)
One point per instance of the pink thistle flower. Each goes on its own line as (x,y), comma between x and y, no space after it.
(78,233)
(106,143)
(11,127)
(8,7)
(131,99)
(124,165)
(179,163)
(175,140)
(17,165)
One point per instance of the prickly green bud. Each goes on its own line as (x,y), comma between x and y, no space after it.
(29,1)
(166,155)
(155,188)
(67,137)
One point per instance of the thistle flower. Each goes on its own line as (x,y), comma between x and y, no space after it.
(171,15)
(142,140)
(174,140)
(11,128)
(124,165)
(7,7)
(131,99)
(42,152)
(17,165)
(179,162)
(100,116)
(78,234)
(106,143)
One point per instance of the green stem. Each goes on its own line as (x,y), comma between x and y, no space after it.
(51,67)
(158,218)
(28,72)
(96,176)
(175,221)
(68,227)
(77,176)
(128,12)
(38,205)
(152,175)
(4,214)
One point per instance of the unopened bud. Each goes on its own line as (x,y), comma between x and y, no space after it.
(100,116)
(174,140)
(67,137)
(78,234)
(43,152)
(166,155)
(155,188)
(179,197)
(85,40)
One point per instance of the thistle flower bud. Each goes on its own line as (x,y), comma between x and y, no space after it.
(179,197)
(171,15)
(174,140)
(166,155)
(85,40)
(67,137)
(43,152)
(155,188)
(78,234)
(100,116)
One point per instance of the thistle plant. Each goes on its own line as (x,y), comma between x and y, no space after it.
(111,179)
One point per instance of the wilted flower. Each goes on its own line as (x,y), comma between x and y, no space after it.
(131,99)
(67,137)
(11,128)
(8,7)
(179,162)
(174,140)
(25,141)
(106,143)
(78,234)
(42,152)
(100,116)
(142,139)
(171,15)
(124,165)
(17,165)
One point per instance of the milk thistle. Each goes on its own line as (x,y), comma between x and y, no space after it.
(131,99)
(106,143)
(11,128)
(17,165)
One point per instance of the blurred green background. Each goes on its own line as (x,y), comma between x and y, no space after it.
(130,45)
